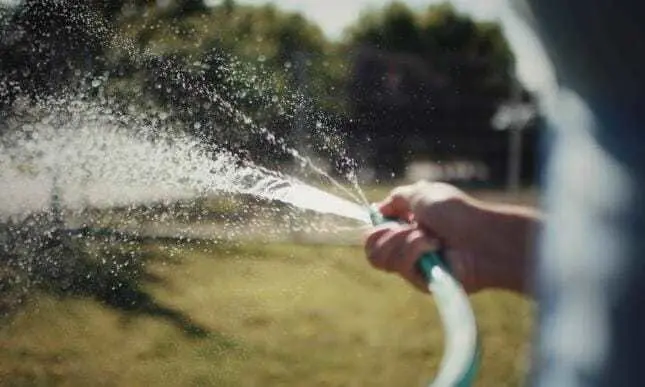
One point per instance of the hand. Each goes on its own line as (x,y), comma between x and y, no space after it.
(484,245)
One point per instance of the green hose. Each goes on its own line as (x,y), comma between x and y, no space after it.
(461,359)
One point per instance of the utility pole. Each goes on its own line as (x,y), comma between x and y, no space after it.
(513,117)
(515,128)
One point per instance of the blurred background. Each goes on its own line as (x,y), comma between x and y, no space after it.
(386,92)
(417,90)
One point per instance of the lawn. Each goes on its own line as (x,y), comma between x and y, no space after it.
(254,315)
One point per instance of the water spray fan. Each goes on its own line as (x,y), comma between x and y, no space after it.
(461,358)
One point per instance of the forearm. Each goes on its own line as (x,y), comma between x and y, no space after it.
(506,243)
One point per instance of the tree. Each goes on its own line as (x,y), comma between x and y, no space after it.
(395,28)
(47,43)
(232,71)
(426,83)
(228,6)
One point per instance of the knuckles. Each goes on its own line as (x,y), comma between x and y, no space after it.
(396,250)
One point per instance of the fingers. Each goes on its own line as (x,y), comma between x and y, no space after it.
(417,244)
(397,249)
(417,198)
(381,244)
(437,207)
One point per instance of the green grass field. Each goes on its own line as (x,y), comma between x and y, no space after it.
(255,315)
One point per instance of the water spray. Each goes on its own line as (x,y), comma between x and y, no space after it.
(461,359)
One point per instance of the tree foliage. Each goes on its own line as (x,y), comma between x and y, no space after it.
(436,75)
(233,70)
(228,70)
(473,56)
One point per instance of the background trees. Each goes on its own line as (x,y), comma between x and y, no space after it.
(401,85)
(428,84)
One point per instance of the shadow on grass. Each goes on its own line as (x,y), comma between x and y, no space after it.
(108,267)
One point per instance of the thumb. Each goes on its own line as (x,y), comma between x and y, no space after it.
(437,207)
(398,204)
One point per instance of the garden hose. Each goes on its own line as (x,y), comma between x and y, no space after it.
(461,358)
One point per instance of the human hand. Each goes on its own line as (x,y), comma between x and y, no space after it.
(484,245)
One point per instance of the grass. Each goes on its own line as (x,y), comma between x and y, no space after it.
(275,315)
